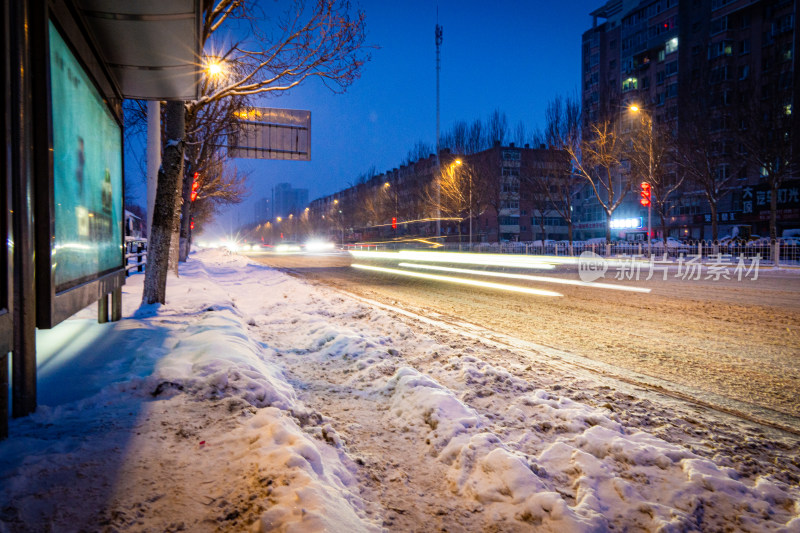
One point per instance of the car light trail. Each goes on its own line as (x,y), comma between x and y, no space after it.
(525,277)
(462,281)
(543,263)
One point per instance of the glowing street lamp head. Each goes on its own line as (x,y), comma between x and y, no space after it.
(214,68)
(458,161)
(634,108)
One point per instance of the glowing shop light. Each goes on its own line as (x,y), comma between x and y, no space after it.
(461,281)
(525,277)
(626,223)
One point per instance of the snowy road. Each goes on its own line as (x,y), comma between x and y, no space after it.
(731,344)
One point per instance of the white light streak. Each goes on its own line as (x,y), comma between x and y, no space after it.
(526,277)
(462,281)
(499,260)
(543,262)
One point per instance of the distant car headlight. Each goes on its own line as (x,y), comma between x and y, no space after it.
(319,246)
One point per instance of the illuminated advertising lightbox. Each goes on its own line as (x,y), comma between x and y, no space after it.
(87,173)
(626,223)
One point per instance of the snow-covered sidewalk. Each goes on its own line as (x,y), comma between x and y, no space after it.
(256,401)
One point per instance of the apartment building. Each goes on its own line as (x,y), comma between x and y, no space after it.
(403,202)
(699,66)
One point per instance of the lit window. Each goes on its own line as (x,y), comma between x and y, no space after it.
(630,84)
(671,46)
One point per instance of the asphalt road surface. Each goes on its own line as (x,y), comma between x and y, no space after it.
(730,344)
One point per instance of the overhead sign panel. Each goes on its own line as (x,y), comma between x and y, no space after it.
(269,133)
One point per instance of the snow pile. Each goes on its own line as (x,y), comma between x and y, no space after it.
(216,359)
(579,470)
(206,372)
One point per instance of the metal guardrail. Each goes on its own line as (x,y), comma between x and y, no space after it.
(135,248)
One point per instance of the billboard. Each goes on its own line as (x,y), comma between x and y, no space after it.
(269,133)
(87,173)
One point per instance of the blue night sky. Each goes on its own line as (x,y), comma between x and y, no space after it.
(501,54)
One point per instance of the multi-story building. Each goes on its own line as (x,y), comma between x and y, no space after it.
(286,200)
(262,210)
(403,202)
(707,63)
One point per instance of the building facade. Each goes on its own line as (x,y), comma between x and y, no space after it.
(700,67)
(495,194)
(286,200)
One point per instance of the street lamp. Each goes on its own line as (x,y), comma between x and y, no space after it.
(387,185)
(649,187)
(214,67)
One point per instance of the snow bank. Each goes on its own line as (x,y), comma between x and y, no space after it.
(577,469)
(207,357)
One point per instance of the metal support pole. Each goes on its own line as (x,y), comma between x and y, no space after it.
(102,309)
(23,373)
(470,212)
(153,157)
(116,304)
(650,181)
(439,33)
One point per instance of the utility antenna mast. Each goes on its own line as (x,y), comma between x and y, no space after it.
(438,68)
(438,163)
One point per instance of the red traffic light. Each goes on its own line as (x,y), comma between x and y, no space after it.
(195,186)
(645,193)
(394,222)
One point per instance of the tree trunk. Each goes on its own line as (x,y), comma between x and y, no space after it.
(773,210)
(175,236)
(165,214)
(714,228)
(608,228)
(663,227)
(186,216)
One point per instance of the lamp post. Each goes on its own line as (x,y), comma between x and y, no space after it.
(649,119)
(386,186)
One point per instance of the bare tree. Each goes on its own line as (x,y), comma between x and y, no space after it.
(599,160)
(420,150)
(703,155)
(652,157)
(537,194)
(476,138)
(455,193)
(497,127)
(765,133)
(318,39)
(521,134)
(562,135)
(459,134)
(206,160)
(165,216)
